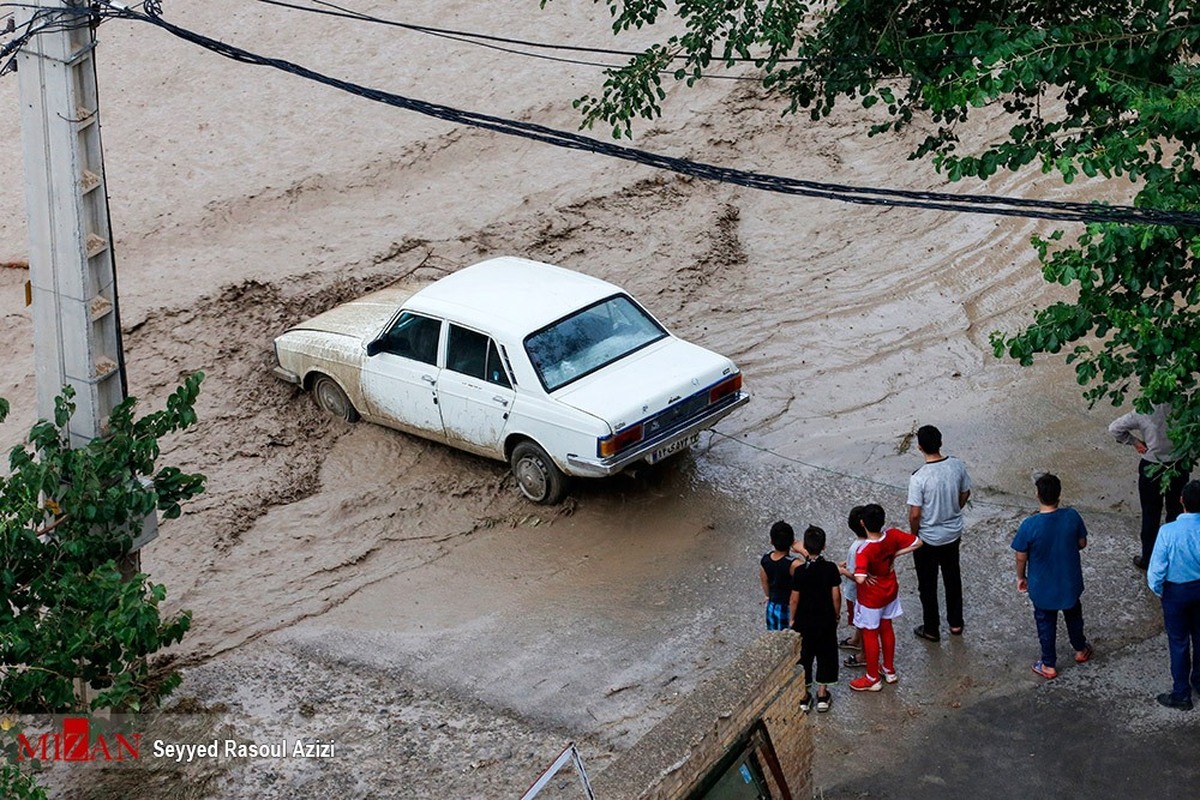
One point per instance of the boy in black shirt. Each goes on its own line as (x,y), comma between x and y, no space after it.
(775,572)
(815,605)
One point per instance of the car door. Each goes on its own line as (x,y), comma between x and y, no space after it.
(400,374)
(475,392)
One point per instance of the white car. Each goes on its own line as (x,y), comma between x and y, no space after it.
(557,373)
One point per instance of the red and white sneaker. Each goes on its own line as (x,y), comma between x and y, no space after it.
(889,675)
(866,683)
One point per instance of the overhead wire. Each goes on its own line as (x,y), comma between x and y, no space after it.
(872,196)
(487,41)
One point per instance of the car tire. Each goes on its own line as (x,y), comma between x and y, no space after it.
(330,398)
(538,477)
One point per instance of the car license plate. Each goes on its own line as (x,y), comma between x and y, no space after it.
(672,448)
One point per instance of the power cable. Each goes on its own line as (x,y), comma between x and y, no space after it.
(489,42)
(849,475)
(872,196)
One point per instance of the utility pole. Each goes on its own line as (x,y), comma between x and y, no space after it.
(76,323)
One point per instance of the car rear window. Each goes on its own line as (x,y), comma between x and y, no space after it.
(590,339)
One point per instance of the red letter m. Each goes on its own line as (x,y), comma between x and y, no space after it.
(26,751)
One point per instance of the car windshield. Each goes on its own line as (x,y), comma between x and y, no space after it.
(589,339)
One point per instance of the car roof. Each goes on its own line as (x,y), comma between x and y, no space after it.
(510,296)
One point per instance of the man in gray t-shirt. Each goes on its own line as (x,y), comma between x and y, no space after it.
(937,493)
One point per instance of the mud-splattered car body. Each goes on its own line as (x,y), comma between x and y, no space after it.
(558,373)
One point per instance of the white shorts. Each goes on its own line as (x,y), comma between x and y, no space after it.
(868,618)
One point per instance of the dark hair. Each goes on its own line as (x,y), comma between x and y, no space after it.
(1191,497)
(814,539)
(782,536)
(929,439)
(855,522)
(873,517)
(1049,488)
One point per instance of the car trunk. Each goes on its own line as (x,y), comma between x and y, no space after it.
(648,382)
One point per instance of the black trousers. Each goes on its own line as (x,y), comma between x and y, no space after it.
(929,559)
(1152,499)
(820,646)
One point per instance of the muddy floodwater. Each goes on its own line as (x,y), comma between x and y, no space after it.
(353,581)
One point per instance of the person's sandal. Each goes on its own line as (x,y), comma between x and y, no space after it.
(824,703)
(806,703)
(921,633)
(848,644)
(1049,673)
(854,662)
(1084,655)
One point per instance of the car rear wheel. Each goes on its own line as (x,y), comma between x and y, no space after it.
(538,476)
(330,398)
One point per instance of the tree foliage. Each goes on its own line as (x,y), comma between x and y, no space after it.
(70,619)
(1098,87)
(68,516)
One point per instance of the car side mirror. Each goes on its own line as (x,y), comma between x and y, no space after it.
(373,348)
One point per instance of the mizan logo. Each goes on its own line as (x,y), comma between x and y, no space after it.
(76,742)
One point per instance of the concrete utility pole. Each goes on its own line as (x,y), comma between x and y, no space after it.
(76,324)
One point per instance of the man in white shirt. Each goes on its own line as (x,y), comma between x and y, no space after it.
(937,493)
(1147,433)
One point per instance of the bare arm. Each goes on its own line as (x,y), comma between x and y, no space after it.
(837,602)
(905,550)
(1022,561)
(792,603)
(963,497)
(1082,543)
(766,585)
(914,520)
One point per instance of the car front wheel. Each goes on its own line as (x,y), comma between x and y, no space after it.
(538,476)
(330,398)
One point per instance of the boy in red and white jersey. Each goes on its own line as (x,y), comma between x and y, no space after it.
(878,596)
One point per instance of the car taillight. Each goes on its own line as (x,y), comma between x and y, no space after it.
(611,445)
(730,385)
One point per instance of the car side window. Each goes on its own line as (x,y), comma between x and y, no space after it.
(471,353)
(466,352)
(495,368)
(413,336)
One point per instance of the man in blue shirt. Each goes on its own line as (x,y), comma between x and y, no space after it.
(1047,549)
(1174,575)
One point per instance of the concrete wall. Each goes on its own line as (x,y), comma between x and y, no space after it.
(673,758)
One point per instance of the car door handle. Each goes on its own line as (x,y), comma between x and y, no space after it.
(429,379)
(500,400)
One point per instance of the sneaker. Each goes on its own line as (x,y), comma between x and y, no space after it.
(1084,655)
(1049,673)
(921,633)
(1171,701)
(806,703)
(824,703)
(866,684)
(889,675)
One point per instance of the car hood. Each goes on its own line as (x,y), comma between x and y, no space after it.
(644,383)
(361,318)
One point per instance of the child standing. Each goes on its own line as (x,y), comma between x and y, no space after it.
(815,606)
(878,596)
(775,572)
(850,587)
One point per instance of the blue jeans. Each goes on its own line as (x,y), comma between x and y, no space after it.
(1181,616)
(1047,629)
